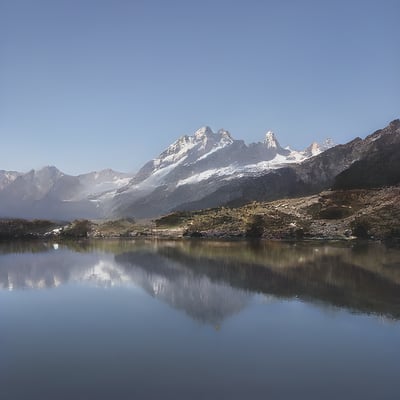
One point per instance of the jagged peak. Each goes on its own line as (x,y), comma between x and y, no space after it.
(48,169)
(203,132)
(224,133)
(201,135)
(395,124)
(270,140)
(313,149)
(225,137)
(316,148)
(327,144)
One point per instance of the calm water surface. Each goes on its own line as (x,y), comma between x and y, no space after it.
(199,320)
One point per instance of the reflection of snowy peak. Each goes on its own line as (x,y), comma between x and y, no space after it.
(170,281)
(176,284)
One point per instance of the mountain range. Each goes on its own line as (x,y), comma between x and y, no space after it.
(204,170)
(49,193)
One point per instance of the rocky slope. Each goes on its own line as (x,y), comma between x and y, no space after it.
(205,170)
(342,214)
(375,156)
(195,167)
(347,214)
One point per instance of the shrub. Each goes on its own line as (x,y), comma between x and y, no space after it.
(360,228)
(78,229)
(255,226)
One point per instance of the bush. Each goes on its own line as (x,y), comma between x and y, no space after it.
(335,212)
(360,228)
(78,229)
(255,226)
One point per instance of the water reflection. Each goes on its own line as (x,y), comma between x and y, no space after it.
(179,283)
(211,281)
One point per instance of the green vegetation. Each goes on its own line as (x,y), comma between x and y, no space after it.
(335,212)
(358,213)
(20,228)
(77,229)
(330,215)
(173,219)
(255,226)
(126,227)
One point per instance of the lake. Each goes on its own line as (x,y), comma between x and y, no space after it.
(197,319)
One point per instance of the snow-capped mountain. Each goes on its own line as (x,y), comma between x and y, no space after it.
(6,177)
(315,148)
(98,182)
(208,155)
(205,169)
(50,193)
(195,166)
(190,168)
(361,163)
(202,170)
(186,150)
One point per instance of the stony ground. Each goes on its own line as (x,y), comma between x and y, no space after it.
(328,215)
(361,213)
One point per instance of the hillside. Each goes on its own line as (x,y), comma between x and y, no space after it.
(328,215)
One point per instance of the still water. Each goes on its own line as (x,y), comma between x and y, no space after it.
(199,320)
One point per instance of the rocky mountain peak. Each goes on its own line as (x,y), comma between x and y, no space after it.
(395,124)
(327,144)
(49,170)
(316,148)
(225,137)
(313,149)
(203,132)
(270,140)
(224,133)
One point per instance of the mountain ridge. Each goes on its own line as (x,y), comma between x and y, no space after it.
(202,170)
(196,165)
(309,177)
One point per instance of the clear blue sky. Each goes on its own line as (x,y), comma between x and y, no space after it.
(91,84)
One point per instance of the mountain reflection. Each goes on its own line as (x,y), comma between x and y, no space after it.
(211,281)
(180,286)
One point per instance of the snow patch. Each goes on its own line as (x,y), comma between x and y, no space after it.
(236,171)
(229,170)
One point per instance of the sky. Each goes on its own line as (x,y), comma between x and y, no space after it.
(93,84)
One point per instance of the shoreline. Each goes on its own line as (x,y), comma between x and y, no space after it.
(344,215)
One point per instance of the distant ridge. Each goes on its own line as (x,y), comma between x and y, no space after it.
(202,170)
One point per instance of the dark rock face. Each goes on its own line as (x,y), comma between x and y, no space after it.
(278,184)
(322,170)
(192,168)
(202,171)
(376,170)
(380,167)
(372,162)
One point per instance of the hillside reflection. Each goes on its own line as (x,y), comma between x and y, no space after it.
(210,281)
